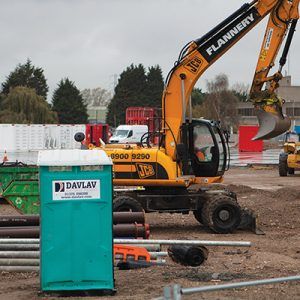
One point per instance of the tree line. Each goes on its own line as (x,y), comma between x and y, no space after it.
(23,97)
(138,87)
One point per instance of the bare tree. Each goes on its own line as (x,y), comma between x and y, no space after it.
(219,103)
(96,97)
(241,90)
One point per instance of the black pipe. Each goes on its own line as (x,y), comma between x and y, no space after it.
(193,256)
(223,24)
(34,220)
(288,42)
(119,230)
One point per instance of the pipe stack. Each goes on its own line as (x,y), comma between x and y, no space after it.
(126,224)
(22,255)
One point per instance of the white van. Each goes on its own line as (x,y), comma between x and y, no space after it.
(128,134)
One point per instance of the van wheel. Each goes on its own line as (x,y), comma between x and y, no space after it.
(126,203)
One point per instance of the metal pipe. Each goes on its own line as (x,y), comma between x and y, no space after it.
(143,243)
(119,230)
(19,269)
(190,109)
(158,254)
(184,242)
(19,254)
(13,247)
(182,76)
(19,262)
(20,231)
(150,247)
(132,230)
(128,217)
(19,241)
(34,220)
(27,220)
(235,285)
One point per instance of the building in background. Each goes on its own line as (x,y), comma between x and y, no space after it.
(96,100)
(290,93)
(97,114)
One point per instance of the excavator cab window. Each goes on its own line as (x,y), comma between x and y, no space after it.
(207,149)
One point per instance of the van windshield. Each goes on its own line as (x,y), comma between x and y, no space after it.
(121,133)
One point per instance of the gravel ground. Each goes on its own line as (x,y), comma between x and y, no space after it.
(276,200)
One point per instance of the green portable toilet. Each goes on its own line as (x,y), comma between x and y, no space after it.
(76,238)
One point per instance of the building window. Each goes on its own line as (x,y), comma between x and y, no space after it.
(246,112)
(293,111)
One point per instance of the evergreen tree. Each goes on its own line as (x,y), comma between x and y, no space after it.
(130,91)
(197,96)
(154,87)
(29,76)
(22,105)
(68,103)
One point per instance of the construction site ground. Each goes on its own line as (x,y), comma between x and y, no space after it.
(275,199)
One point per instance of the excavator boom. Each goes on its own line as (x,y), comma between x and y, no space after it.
(200,54)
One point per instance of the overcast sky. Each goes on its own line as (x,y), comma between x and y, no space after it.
(92,42)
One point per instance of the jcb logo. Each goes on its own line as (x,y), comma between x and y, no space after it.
(145,170)
(194,64)
(263,55)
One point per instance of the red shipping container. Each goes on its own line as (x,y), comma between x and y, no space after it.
(149,116)
(93,132)
(141,116)
(246,133)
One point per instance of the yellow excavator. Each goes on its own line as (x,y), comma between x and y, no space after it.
(178,175)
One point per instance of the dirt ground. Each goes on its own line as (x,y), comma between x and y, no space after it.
(275,199)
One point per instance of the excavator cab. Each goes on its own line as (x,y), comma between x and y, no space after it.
(208,148)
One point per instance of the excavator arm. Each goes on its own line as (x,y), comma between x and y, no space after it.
(201,53)
(268,106)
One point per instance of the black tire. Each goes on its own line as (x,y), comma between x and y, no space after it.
(291,171)
(126,203)
(283,167)
(221,214)
(198,215)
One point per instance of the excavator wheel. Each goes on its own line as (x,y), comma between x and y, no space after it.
(283,166)
(291,171)
(198,214)
(221,214)
(126,203)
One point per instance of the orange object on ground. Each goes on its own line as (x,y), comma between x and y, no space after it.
(131,253)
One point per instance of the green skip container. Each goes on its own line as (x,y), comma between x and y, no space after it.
(76,250)
(19,186)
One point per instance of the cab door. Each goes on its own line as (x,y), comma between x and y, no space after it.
(204,150)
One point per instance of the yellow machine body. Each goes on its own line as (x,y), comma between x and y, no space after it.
(134,165)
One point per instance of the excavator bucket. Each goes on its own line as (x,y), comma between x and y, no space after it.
(271,124)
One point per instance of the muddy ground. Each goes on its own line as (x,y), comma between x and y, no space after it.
(277,253)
